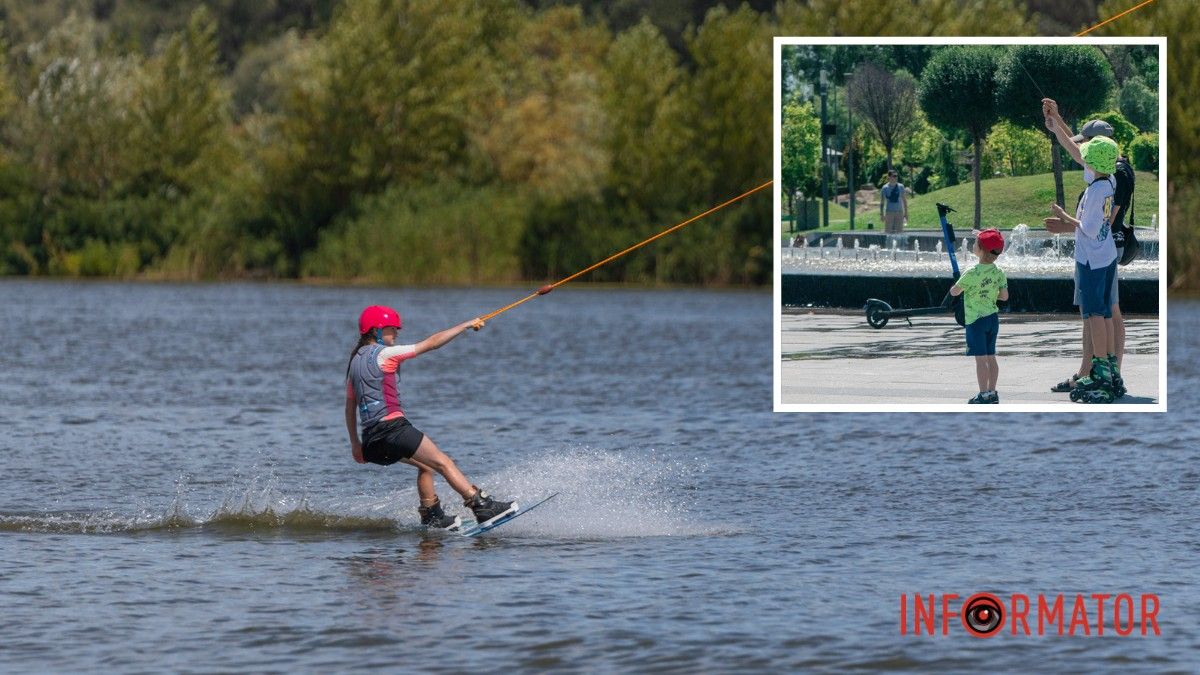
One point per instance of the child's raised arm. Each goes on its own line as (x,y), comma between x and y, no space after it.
(1056,125)
(440,338)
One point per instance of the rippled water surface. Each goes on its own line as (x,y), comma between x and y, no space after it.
(178,495)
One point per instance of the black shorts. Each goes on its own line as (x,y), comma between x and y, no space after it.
(390,441)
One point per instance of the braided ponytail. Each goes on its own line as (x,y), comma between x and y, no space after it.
(363,340)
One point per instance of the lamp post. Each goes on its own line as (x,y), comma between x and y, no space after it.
(850,150)
(824,154)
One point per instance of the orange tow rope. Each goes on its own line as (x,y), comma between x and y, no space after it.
(1113,18)
(549,287)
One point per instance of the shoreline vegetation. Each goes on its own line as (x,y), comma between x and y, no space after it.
(518,287)
(456,143)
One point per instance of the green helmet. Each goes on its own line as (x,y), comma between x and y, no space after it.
(1100,153)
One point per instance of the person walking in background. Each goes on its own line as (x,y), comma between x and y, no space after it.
(893,206)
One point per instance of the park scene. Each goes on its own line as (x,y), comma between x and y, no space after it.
(893,160)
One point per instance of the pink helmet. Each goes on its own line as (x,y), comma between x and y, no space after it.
(378,316)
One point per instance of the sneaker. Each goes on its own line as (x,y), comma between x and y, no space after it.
(981,397)
(993,396)
(433,517)
(487,509)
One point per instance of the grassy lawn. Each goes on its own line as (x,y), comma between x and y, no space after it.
(839,216)
(1006,203)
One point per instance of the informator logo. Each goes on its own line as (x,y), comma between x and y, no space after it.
(984,615)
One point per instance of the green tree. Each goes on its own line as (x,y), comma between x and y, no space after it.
(1078,77)
(922,145)
(179,112)
(391,94)
(800,156)
(928,17)
(729,112)
(1020,151)
(643,82)
(1123,130)
(1180,23)
(1139,104)
(958,91)
(73,126)
(546,128)
(730,100)
(648,145)
(887,101)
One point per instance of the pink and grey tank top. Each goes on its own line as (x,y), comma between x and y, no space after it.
(374,382)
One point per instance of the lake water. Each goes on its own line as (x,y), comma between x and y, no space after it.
(178,495)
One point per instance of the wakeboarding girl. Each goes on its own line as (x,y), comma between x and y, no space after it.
(372,389)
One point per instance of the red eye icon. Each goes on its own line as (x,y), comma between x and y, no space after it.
(983,615)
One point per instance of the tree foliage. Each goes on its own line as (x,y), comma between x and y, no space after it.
(1123,130)
(516,138)
(887,101)
(1077,77)
(1179,22)
(958,92)
(1016,151)
(1143,152)
(904,17)
(1139,104)
(800,156)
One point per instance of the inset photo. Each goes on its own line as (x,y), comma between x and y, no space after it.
(970,224)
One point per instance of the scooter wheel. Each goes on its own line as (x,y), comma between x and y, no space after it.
(877,313)
(1076,395)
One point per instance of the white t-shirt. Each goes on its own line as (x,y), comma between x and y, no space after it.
(1094,245)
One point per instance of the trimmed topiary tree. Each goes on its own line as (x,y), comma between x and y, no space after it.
(1078,77)
(958,92)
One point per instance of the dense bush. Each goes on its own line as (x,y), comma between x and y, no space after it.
(1139,104)
(444,234)
(1143,152)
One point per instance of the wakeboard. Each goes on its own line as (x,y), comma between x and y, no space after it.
(470,528)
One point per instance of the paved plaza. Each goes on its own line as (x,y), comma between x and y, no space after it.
(834,357)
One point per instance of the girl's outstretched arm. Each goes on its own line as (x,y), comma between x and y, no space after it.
(440,338)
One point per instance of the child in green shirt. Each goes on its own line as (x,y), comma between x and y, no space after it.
(982,285)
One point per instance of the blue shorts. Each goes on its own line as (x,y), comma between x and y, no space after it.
(981,335)
(1116,295)
(1095,289)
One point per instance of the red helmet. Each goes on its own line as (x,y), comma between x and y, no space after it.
(378,316)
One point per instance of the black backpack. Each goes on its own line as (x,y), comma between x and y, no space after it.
(1123,235)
